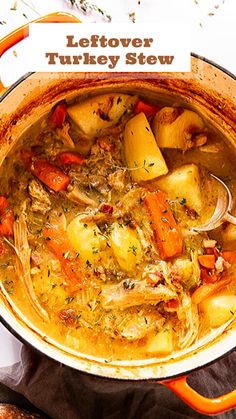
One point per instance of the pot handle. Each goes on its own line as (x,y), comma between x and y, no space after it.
(20,33)
(208,406)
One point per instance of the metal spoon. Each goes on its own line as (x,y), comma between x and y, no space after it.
(222,209)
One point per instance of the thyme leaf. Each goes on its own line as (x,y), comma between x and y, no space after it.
(132,17)
(133,249)
(128,285)
(69,299)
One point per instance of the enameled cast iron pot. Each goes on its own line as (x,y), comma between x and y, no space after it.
(209,90)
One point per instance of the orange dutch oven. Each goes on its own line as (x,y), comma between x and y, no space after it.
(208,89)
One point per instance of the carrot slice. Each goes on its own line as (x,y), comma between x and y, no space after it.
(58,115)
(207,261)
(172,304)
(71,264)
(148,109)
(229,256)
(166,231)
(70,157)
(6,218)
(206,290)
(208,276)
(46,172)
(50,175)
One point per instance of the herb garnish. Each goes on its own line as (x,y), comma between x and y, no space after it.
(89,264)
(69,299)
(128,285)
(133,249)
(65,209)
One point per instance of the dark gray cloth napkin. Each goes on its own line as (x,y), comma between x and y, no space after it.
(63,393)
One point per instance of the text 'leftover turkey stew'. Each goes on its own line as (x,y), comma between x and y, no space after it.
(98,207)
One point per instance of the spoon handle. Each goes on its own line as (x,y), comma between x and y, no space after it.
(230,218)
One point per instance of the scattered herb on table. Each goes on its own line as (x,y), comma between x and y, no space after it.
(86,7)
(14,6)
(132,17)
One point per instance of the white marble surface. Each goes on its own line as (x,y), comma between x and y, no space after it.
(9,348)
(213,36)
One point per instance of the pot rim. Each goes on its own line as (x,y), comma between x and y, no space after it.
(193,54)
(218,66)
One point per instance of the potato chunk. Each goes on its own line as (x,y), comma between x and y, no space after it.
(126,246)
(178,128)
(100,112)
(141,150)
(183,183)
(229,237)
(85,239)
(218,309)
(162,343)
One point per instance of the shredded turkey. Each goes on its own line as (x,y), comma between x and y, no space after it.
(188,323)
(22,265)
(117,180)
(40,199)
(63,133)
(77,196)
(130,293)
(134,325)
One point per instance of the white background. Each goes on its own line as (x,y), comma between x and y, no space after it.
(213,35)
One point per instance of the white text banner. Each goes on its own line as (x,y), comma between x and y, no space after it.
(109,47)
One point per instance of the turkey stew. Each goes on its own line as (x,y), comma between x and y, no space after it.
(98,206)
